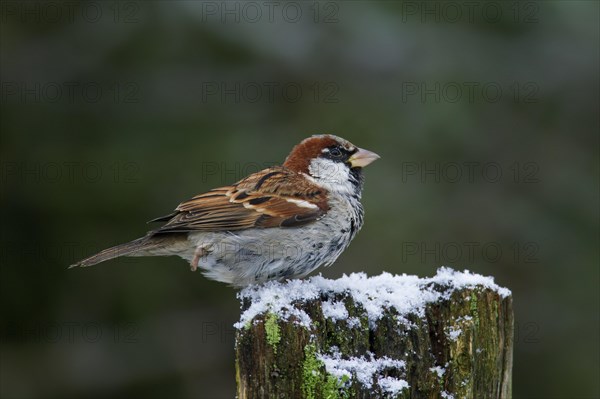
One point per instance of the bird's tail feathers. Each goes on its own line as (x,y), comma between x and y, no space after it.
(137,247)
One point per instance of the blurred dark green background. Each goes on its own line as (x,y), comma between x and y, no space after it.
(485,115)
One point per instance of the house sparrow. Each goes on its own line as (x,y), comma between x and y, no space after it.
(282,222)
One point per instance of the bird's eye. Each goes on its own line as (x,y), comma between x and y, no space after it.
(335,152)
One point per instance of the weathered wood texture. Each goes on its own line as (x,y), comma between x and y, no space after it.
(460,346)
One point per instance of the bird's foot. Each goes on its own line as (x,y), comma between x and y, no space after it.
(200,251)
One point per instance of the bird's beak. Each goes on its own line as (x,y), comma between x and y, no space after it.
(362,158)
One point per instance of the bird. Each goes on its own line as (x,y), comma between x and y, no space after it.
(279,223)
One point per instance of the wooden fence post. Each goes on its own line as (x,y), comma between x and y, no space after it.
(449,336)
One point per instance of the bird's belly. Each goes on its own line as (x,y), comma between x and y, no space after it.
(250,257)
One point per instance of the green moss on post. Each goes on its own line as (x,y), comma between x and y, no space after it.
(272,330)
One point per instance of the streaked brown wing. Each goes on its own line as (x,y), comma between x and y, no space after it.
(275,197)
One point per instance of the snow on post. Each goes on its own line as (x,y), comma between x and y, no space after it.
(387,336)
